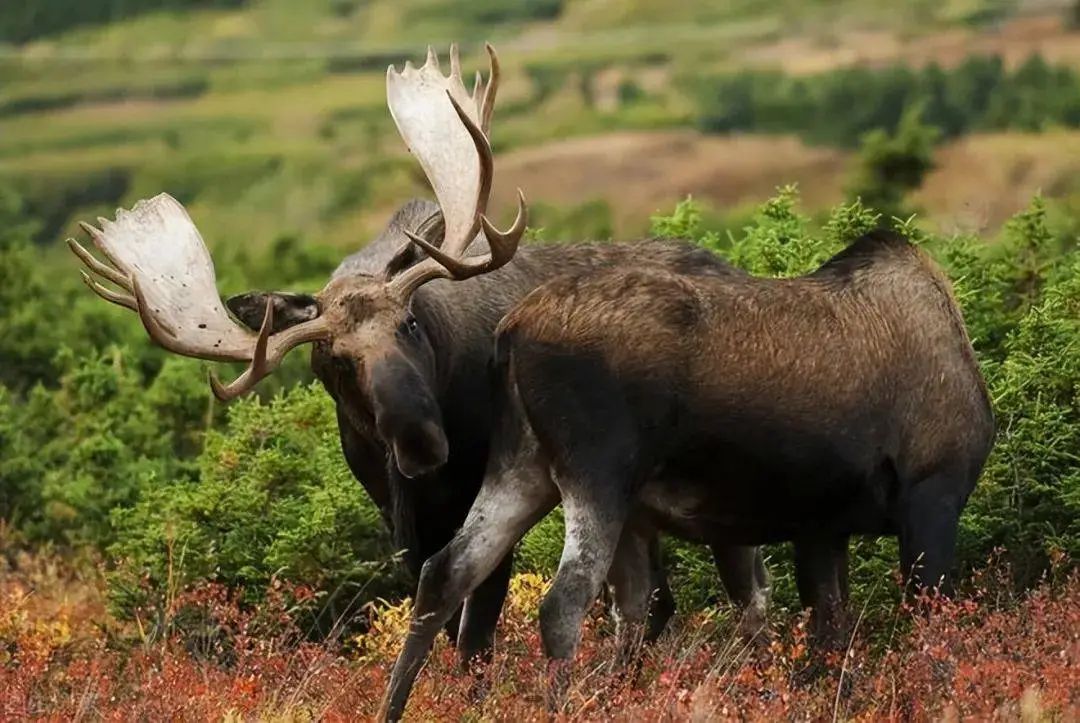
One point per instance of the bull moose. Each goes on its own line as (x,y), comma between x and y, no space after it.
(402,332)
(727,409)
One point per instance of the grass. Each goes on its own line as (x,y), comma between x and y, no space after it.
(988,655)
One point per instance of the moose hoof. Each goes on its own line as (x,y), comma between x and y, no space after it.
(557,685)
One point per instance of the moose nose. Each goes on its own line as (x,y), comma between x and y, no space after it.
(408,416)
(423,449)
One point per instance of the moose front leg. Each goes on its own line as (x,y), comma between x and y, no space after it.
(821,576)
(479,618)
(930,514)
(507,506)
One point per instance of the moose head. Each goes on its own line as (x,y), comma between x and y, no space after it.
(371,350)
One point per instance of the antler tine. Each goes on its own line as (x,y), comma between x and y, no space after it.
(503,245)
(477,96)
(96,235)
(108,294)
(158,255)
(97,267)
(455,62)
(257,368)
(492,87)
(269,350)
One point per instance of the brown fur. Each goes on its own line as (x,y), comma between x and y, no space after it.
(725,409)
(876,314)
(419,405)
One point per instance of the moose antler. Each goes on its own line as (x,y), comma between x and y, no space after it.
(446,128)
(165,274)
(159,259)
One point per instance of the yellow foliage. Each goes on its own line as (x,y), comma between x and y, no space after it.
(526,592)
(390,622)
(389,625)
(17,627)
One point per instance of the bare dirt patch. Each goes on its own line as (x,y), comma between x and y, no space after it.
(982,180)
(639,173)
(979,181)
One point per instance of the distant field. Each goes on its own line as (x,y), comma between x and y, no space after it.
(644,172)
(269,120)
(979,182)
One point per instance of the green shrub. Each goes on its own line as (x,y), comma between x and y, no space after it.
(540,549)
(45,310)
(839,106)
(890,166)
(73,455)
(588,220)
(273,498)
(1028,500)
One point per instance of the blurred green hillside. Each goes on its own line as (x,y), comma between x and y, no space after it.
(267,117)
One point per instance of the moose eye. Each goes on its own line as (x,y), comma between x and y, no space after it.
(410,326)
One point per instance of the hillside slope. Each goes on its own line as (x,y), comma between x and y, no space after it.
(268,117)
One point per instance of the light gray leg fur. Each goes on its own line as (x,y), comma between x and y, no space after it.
(513,498)
(592,534)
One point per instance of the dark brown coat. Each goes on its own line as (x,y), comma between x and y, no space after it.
(414,397)
(725,409)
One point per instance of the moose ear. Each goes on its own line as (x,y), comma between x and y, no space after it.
(432,228)
(402,259)
(289,309)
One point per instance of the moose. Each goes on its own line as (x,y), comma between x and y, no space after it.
(727,409)
(402,333)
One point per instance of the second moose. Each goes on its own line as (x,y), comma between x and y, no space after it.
(724,409)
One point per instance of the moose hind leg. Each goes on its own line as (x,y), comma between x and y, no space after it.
(742,571)
(508,505)
(661,601)
(633,583)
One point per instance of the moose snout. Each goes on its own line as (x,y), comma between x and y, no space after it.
(420,449)
(408,417)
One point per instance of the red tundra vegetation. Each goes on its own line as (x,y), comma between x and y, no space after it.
(986,655)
